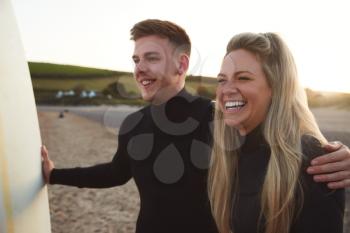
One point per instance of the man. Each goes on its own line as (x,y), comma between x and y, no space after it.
(165,146)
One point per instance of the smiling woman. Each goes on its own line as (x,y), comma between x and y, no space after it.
(243,92)
(266,136)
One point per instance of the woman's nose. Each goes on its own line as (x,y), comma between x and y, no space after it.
(230,87)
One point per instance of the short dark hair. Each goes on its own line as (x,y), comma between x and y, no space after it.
(164,29)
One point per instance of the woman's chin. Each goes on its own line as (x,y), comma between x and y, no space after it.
(232,122)
(237,125)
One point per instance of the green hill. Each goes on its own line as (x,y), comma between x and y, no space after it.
(49,70)
(48,79)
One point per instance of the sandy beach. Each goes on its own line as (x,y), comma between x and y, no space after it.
(76,141)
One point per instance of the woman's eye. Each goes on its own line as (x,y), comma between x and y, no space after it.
(243,78)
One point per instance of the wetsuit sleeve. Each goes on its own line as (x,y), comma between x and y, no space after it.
(114,173)
(323,208)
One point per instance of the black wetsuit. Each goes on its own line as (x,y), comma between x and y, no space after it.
(323,208)
(165,149)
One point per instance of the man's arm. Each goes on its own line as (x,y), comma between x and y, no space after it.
(334,167)
(115,173)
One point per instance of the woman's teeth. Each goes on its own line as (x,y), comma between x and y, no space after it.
(234,104)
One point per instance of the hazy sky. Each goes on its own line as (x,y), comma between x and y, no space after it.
(96,32)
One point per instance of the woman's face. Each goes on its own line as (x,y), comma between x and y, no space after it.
(243,92)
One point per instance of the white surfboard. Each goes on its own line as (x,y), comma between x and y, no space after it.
(23,197)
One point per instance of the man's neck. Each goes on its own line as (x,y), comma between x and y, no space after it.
(166,94)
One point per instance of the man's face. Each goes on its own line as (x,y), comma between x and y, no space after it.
(155,70)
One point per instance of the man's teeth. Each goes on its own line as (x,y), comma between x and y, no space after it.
(146,82)
(234,104)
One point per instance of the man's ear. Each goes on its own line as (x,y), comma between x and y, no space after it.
(184,62)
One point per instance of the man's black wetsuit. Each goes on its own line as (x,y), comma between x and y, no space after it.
(166,149)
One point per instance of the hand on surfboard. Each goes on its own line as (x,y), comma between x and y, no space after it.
(47,164)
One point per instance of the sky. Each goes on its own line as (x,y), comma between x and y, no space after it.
(96,33)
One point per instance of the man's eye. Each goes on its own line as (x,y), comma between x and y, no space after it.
(136,61)
(153,59)
(221,80)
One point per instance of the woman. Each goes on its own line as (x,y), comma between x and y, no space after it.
(265,136)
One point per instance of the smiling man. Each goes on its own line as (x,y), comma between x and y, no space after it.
(165,146)
(159,68)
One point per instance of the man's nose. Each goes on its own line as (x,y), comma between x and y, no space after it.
(140,66)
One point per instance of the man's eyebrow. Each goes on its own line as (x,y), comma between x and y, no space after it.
(146,55)
(151,53)
(221,75)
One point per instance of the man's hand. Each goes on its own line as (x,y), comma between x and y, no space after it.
(333,168)
(47,164)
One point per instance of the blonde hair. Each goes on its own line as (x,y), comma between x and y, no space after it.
(288,118)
